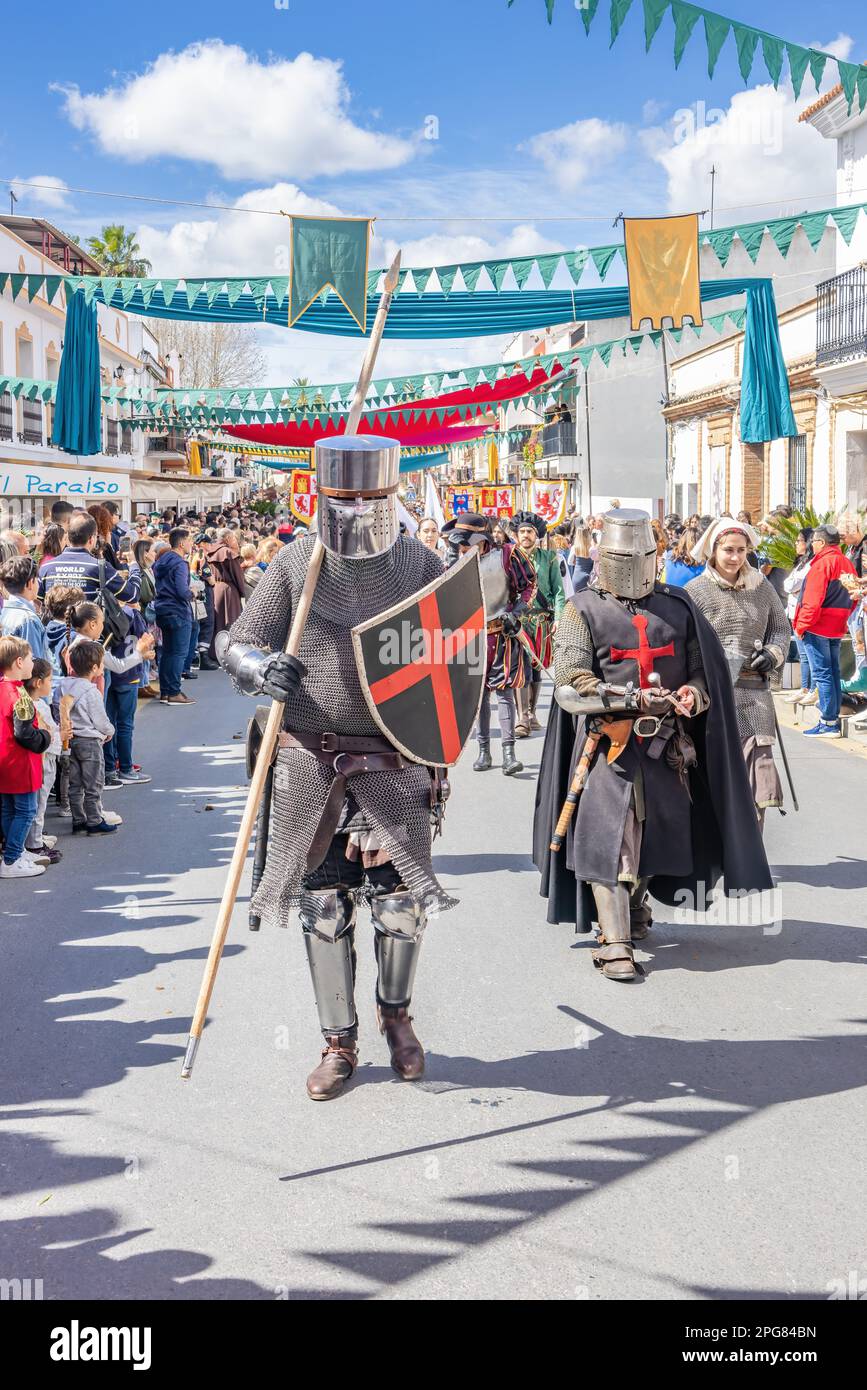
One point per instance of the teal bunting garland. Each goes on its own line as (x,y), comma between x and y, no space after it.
(852,77)
(570,264)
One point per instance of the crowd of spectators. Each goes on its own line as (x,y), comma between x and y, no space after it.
(97,615)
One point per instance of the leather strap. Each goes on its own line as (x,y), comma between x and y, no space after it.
(348,755)
(328,744)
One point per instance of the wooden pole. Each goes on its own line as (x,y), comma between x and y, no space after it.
(275,716)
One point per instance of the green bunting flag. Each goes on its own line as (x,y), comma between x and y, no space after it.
(329,252)
(717,28)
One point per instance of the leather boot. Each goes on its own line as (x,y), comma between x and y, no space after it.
(640,913)
(613,953)
(339,1060)
(407,1053)
(534,700)
(483,761)
(510,762)
(522,701)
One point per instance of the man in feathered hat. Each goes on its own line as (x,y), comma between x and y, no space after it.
(509,579)
(541,618)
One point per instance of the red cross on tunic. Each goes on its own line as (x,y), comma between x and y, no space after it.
(643,653)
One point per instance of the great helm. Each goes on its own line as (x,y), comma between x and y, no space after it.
(356,482)
(626,562)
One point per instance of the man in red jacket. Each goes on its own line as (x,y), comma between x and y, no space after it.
(820,622)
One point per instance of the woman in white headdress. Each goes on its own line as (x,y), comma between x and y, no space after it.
(750,621)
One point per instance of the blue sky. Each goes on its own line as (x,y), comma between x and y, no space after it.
(543,135)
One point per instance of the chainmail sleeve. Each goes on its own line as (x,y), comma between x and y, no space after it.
(573,652)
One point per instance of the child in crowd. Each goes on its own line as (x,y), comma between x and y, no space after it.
(57,604)
(91,728)
(38,687)
(86,624)
(22,743)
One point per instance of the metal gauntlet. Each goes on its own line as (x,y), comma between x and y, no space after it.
(248,666)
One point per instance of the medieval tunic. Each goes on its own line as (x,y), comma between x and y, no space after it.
(394,804)
(547,605)
(633,818)
(508,661)
(742,614)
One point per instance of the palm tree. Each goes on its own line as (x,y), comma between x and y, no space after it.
(118,252)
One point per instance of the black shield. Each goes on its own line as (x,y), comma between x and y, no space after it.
(422,665)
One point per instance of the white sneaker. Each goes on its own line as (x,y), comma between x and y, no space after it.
(112,818)
(22,868)
(794,697)
(811,699)
(35,857)
(49,841)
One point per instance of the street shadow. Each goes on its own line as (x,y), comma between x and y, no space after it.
(689,1090)
(707,950)
(69,942)
(458,864)
(844,872)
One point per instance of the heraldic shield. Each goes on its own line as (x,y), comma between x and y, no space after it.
(422,665)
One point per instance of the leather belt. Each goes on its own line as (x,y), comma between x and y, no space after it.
(348,755)
(329,744)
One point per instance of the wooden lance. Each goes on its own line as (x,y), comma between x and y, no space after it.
(275,716)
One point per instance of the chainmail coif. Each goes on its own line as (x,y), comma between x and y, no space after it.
(395,804)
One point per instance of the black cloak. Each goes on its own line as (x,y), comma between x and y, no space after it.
(726,838)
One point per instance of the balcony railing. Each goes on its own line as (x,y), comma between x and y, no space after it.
(112,436)
(168,444)
(31,422)
(841,317)
(7,408)
(559,439)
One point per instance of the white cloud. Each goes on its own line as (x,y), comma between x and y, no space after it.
(840,47)
(571,153)
(653,109)
(766,162)
(51,193)
(239,242)
(215,103)
(441,249)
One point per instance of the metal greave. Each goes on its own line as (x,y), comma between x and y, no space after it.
(328,923)
(398,924)
(612,910)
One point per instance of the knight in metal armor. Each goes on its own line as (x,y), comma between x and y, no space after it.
(351,817)
(747,616)
(510,584)
(641,739)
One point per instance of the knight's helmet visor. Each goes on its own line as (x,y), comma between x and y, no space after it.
(627,554)
(356,482)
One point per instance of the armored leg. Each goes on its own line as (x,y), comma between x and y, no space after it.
(640,914)
(398,926)
(613,954)
(328,923)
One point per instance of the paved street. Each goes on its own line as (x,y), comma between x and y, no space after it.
(699,1134)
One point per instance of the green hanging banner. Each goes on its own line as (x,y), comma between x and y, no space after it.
(329,253)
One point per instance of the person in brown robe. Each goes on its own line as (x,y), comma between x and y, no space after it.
(230,585)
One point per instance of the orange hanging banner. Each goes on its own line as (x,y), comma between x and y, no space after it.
(662,267)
